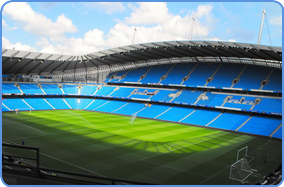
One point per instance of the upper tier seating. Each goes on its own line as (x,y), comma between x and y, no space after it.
(88,90)
(178,73)
(132,75)
(10,88)
(30,88)
(250,77)
(70,89)
(156,73)
(225,75)
(275,80)
(200,74)
(51,89)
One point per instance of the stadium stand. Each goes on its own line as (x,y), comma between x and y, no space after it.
(200,74)
(134,75)
(158,90)
(229,121)
(278,133)
(198,117)
(153,111)
(10,88)
(225,75)
(88,90)
(130,108)
(215,119)
(252,77)
(38,104)
(15,104)
(274,81)
(260,125)
(176,114)
(70,89)
(156,73)
(51,88)
(177,74)
(30,88)
(58,103)
(110,106)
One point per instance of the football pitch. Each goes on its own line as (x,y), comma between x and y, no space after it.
(146,150)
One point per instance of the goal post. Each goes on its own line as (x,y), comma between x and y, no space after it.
(17,110)
(241,169)
(243,153)
(133,117)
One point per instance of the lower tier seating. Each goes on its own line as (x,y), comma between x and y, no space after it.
(252,124)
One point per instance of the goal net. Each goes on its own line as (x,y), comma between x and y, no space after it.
(133,117)
(241,169)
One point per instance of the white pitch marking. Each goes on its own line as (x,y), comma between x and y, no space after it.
(85,119)
(65,162)
(179,144)
(28,126)
(174,168)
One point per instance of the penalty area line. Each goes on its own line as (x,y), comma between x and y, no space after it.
(175,168)
(63,161)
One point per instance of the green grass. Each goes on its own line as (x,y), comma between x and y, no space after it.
(147,150)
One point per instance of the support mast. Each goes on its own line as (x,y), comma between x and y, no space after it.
(261,27)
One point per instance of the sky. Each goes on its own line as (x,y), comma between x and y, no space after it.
(78,28)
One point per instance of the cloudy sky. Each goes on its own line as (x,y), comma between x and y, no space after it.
(83,27)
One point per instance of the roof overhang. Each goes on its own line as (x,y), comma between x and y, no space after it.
(17,62)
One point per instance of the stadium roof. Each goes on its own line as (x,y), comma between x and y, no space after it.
(138,55)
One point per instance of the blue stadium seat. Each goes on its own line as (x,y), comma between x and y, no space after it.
(229,121)
(10,88)
(134,75)
(51,89)
(201,117)
(178,73)
(30,88)
(130,108)
(261,125)
(252,77)
(200,74)
(278,133)
(176,114)
(225,75)
(275,81)
(154,75)
(38,104)
(152,111)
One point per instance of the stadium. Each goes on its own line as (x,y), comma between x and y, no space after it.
(177,112)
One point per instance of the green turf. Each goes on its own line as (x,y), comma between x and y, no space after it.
(147,150)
